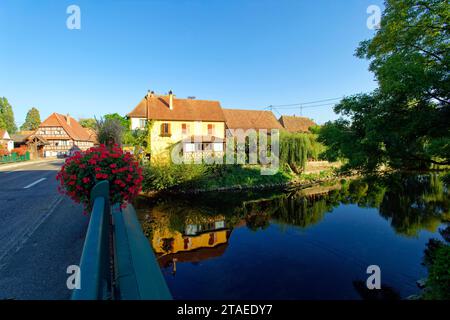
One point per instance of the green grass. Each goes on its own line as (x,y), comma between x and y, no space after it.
(207,177)
(325,174)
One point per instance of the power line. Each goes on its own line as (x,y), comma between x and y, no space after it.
(306,107)
(306,103)
(277,112)
(298,104)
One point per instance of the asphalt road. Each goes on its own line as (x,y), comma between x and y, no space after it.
(41,233)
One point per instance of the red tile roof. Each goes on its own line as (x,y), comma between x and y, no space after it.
(296,124)
(250,119)
(92,135)
(69,124)
(156,107)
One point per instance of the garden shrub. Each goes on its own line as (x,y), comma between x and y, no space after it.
(3,150)
(167,175)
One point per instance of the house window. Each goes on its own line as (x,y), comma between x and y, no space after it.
(184,128)
(165,130)
(210,129)
(142,123)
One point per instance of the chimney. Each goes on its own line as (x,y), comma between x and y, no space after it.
(170,100)
(68,119)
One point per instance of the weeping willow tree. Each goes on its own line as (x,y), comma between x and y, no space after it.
(316,148)
(297,148)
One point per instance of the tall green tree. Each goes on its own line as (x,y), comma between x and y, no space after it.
(32,120)
(122,120)
(7,116)
(2,123)
(129,137)
(109,131)
(403,123)
(87,123)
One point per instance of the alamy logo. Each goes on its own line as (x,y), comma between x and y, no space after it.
(374,20)
(239,147)
(374,280)
(73,21)
(74,280)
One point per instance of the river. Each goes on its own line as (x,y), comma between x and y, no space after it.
(314,243)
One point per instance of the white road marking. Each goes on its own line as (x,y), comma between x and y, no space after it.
(34,183)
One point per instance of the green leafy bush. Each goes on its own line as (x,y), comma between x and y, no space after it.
(438,282)
(167,175)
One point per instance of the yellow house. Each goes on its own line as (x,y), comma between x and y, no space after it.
(198,125)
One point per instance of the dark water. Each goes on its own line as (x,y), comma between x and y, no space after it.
(306,244)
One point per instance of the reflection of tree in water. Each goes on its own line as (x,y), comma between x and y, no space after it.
(300,211)
(303,210)
(410,203)
(257,221)
(413,203)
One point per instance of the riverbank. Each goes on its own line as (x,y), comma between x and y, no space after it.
(200,178)
(196,180)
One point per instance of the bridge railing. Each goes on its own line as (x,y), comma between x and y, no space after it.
(117,262)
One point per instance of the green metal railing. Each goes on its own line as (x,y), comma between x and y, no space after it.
(138,276)
(117,262)
(14,157)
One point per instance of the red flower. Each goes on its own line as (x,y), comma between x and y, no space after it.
(113,164)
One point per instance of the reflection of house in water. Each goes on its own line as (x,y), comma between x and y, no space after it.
(198,241)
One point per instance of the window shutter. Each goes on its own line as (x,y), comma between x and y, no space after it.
(168,129)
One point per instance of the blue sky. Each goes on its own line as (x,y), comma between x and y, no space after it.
(247,54)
